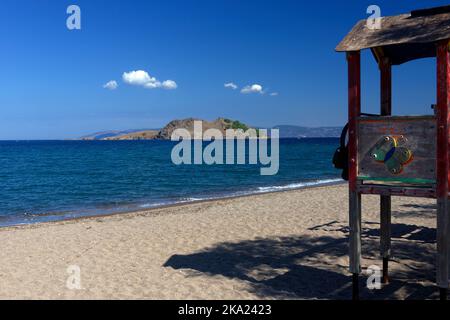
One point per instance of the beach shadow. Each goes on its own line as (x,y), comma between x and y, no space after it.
(371,229)
(310,267)
(408,232)
(417,211)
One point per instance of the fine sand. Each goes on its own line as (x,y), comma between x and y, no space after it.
(269,246)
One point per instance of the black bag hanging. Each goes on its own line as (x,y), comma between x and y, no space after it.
(340,158)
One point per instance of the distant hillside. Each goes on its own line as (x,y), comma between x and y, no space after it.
(165,133)
(222,124)
(102,135)
(287,131)
(138,135)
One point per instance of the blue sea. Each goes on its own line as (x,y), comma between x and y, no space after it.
(55,180)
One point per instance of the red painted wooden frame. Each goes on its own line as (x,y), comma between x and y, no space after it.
(443,102)
(354,111)
(384,190)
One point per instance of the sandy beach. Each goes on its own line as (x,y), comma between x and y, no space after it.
(271,246)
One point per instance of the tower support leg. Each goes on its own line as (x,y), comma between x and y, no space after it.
(385,66)
(354,111)
(385,238)
(355,287)
(443,247)
(355,241)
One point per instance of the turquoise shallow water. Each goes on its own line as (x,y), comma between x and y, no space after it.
(52,180)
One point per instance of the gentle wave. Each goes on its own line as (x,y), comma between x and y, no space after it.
(259,190)
(300,185)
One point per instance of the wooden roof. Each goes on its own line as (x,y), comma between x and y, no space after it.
(404,37)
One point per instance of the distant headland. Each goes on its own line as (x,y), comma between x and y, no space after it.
(222,124)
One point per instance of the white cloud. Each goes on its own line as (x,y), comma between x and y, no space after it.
(169,85)
(254,88)
(111,85)
(153,84)
(230,85)
(274,94)
(138,78)
(142,78)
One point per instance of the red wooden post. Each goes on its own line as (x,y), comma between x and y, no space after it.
(386,87)
(385,201)
(443,149)
(354,111)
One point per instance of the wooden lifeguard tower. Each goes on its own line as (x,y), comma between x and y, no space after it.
(399,155)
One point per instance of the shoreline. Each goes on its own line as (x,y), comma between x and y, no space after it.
(170,205)
(278,245)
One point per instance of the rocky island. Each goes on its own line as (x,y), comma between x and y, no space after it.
(165,133)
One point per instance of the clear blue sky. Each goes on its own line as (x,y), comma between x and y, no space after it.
(52,78)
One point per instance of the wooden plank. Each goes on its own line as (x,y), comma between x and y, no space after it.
(396,118)
(443,149)
(385,234)
(355,232)
(387,190)
(443,212)
(399,180)
(419,135)
(442,114)
(385,86)
(385,226)
(430,11)
(400,29)
(354,111)
(385,200)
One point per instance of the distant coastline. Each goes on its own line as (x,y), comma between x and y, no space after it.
(222,124)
